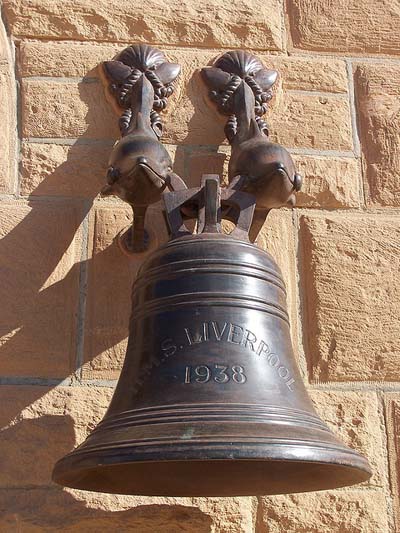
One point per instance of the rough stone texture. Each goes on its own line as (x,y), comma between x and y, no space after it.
(352,511)
(54,169)
(328,182)
(392,411)
(80,109)
(228,514)
(67,109)
(378,102)
(108,318)
(351,296)
(354,417)
(64,59)
(7,118)
(304,120)
(310,73)
(47,510)
(345,26)
(240,23)
(46,424)
(39,253)
(69,59)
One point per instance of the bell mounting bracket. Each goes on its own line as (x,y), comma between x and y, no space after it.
(261,174)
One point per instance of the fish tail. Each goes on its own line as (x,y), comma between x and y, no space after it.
(142,100)
(140,80)
(240,85)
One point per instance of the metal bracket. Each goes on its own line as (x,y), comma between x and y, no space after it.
(139,81)
(208,203)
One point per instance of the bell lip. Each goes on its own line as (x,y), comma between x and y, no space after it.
(351,474)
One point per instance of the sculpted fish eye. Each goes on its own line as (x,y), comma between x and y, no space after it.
(113,174)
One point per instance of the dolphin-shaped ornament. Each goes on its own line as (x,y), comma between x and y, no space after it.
(140,168)
(241,87)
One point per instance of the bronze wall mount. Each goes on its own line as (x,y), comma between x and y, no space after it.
(140,81)
(210,401)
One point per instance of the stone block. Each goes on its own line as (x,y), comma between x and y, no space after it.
(377,95)
(345,26)
(328,182)
(67,109)
(239,24)
(40,425)
(64,59)
(351,296)
(61,170)
(350,511)
(308,121)
(354,418)
(302,73)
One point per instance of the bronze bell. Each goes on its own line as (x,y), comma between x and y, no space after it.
(210,401)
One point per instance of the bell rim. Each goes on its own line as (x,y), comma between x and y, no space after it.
(333,471)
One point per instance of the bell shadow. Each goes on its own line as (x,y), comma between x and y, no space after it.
(51,508)
(205,123)
(37,334)
(31,447)
(76,517)
(205,133)
(32,314)
(39,312)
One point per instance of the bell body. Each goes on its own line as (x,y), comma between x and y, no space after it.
(210,401)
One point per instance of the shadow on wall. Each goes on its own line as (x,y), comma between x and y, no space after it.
(205,123)
(58,510)
(39,293)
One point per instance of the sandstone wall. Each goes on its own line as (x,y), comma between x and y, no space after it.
(63,333)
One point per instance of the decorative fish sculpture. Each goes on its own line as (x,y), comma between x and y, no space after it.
(241,87)
(139,165)
(140,168)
